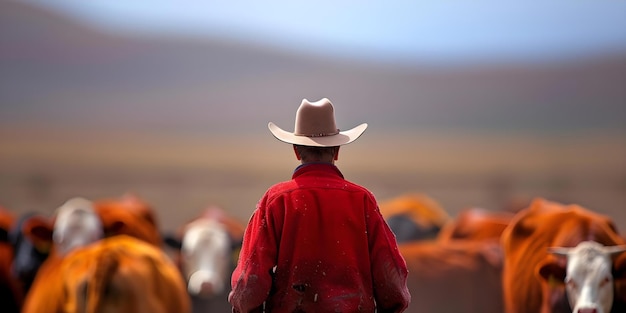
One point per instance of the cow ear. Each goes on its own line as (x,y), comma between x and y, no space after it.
(235,246)
(235,243)
(619,267)
(4,235)
(172,241)
(39,231)
(619,261)
(552,271)
(523,227)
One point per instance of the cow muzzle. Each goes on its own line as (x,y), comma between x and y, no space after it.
(204,284)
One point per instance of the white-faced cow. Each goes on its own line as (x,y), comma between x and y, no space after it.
(587,275)
(535,280)
(74,225)
(206,252)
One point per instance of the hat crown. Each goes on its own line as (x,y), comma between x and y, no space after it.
(315,119)
(315,126)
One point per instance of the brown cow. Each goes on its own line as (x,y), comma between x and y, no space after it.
(457,276)
(462,270)
(413,216)
(533,278)
(118,274)
(80,222)
(475,224)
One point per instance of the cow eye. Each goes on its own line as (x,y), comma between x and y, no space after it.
(570,283)
(605,281)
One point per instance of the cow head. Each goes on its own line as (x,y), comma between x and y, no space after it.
(76,225)
(587,275)
(206,254)
(128,215)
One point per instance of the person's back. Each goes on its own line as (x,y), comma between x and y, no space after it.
(318,243)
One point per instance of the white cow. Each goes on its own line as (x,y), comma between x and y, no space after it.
(206,256)
(588,278)
(76,224)
(207,249)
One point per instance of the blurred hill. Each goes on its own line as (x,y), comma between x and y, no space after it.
(183,120)
(59,72)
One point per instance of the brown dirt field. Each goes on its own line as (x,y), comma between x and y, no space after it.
(182,175)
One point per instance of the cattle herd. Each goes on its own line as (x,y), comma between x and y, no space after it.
(109,255)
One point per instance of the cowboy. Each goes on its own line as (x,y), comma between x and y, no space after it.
(318,243)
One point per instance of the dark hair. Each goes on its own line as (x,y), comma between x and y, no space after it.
(316,154)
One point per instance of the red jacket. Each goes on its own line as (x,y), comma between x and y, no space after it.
(318,243)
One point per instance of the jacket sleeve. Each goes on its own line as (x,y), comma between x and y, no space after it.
(251,280)
(389,270)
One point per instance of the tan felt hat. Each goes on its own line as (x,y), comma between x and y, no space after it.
(315,126)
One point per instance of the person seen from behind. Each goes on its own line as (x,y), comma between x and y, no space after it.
(318,243)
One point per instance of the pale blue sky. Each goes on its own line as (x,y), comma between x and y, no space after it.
(418,30)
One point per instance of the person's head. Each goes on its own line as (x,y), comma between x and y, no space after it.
(308,154)
(316,137)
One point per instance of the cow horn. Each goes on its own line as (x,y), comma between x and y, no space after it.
(614,250)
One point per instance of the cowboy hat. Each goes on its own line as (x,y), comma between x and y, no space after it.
(315,126)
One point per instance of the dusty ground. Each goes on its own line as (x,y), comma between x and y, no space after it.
(182,175)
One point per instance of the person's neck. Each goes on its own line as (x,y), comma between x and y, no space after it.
(318,162)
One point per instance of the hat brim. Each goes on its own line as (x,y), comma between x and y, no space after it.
(343,138)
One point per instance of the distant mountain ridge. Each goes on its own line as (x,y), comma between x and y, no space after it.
(60,73)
